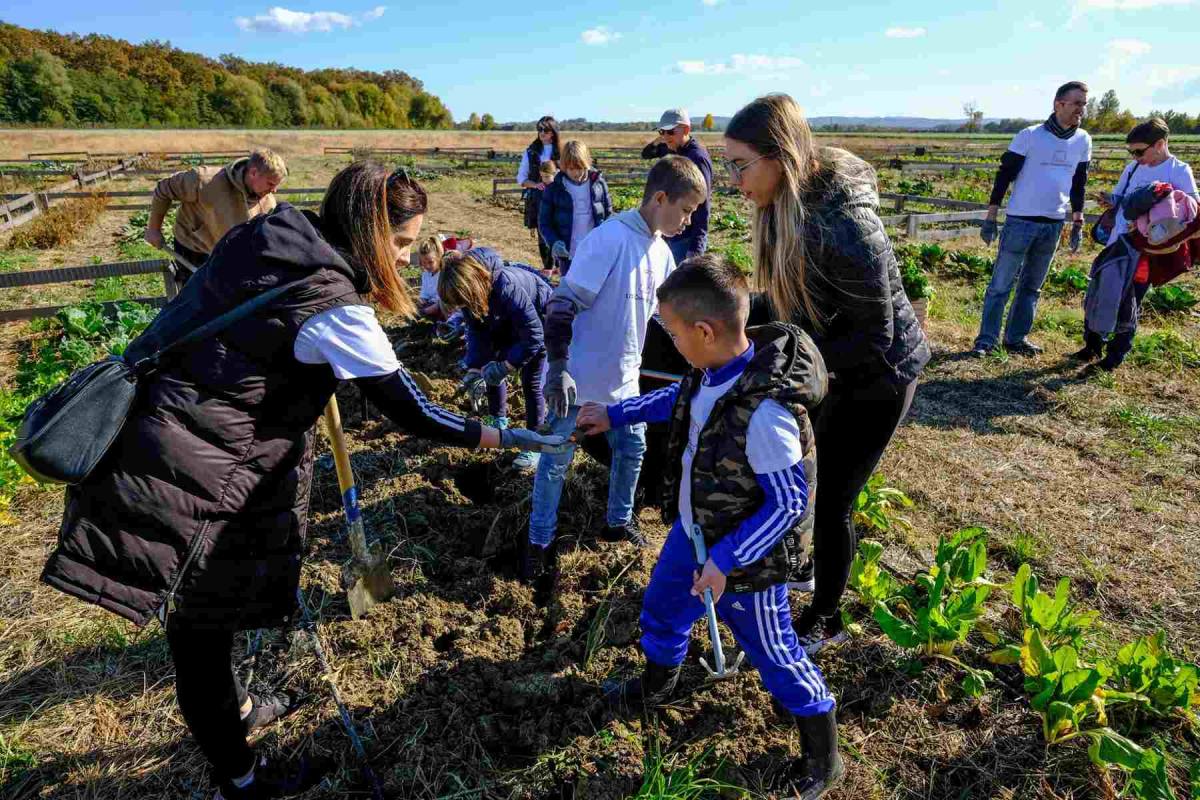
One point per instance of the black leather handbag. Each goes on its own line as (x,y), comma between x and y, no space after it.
(67,431)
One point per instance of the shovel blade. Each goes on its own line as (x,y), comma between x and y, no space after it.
(367,583)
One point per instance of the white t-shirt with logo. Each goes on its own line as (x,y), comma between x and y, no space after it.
(582,220)
(1172,171)
(622,268)
(772,440)
(1043,186)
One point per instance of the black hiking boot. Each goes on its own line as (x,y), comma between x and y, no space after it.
(629,532)
(1085,355)
(267,708)
(272,779)
(820,767)
(652,688)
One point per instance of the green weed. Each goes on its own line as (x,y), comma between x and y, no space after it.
(665,779)
(1169,299)
(1165,348)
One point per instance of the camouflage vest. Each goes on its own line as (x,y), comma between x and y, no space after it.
(787,368)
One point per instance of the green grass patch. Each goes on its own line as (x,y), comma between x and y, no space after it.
(1165,349)
(668,778)
(1151,431)
(16,260)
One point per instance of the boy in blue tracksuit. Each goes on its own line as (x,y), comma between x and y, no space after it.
(741,466)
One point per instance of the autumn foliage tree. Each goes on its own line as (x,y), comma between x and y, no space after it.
(65,79)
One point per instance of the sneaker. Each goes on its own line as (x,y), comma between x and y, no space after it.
(802,579)
(629,532)
(816,632)
(1023,348)
(267,708)
(273,779)
(978,352)
(527,460)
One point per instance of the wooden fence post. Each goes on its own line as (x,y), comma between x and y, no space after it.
(911,228)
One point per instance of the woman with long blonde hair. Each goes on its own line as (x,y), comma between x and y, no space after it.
(823,261)
(198,514)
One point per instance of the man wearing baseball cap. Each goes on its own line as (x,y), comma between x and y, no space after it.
(675,136)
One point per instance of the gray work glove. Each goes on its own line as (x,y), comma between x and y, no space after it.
(1076,236)
(987,231)
(495,372)
(560,250)
(524,439)
(471,382)
(560,388)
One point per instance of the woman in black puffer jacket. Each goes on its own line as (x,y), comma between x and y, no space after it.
(824,261)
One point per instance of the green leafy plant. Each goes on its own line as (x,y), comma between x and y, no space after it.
(1167,349)
(1054,617)
(916,282)
(1062,689)
(932,256)
(1162,683)
(729,220)
(917,186)
(1068,280)
(737,253)
(868,579)
(1169,299)
(875,508)
(968,265)
(1146,767)
(938,610)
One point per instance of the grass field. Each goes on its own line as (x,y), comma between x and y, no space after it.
(466,689)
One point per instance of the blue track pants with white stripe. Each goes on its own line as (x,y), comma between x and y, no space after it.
(761,623)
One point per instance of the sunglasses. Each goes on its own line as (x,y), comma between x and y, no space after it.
(542,129)
(735,171)
(1137,152)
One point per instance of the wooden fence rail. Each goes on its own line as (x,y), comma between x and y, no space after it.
(43,277)
(25,207)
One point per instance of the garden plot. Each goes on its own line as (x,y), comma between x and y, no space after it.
(465,687)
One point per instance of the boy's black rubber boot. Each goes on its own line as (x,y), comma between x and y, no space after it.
(820,768)
(538,563)
(653,687)
(272,779)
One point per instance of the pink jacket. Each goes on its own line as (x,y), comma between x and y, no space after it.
(1168,217)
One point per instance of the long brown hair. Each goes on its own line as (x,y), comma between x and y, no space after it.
(362,205)
(774,126)
(465,283)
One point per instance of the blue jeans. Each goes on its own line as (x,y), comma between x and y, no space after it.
(761,623)
(628,446)
(1026,250)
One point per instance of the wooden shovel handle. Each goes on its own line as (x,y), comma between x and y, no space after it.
(337,439)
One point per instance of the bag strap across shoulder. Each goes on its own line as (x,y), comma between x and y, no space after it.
(214,326)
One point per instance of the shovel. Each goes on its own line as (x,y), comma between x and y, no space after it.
(366,578)
(719,670)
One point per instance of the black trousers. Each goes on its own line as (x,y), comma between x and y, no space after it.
(210,695)
(196,258)
(853,427)
(1121,342)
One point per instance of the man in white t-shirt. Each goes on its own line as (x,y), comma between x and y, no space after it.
(595,328)
(1047,165)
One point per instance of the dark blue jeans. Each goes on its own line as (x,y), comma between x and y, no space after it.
(1026,250)
(531,390)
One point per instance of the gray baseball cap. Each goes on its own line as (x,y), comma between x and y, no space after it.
(672,117)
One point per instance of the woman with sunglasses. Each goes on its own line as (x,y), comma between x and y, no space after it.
(198,513)
(1152,163)
(543,148)
(824,262)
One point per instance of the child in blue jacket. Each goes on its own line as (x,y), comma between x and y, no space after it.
(740,472)
(573,204)
(504,305)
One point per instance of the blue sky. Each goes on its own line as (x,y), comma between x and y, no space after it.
(623,60)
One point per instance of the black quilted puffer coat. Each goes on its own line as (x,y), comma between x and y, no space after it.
(868,328)
(201,504)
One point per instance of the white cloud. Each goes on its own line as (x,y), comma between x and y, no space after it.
(741,64)
(1082,8)
(284,20)
(598,36)
(1173,84)
(904,33)
(1119,54)
(710,3)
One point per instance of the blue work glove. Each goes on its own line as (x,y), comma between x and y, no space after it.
(1076,236)
(560,388)
(559,250)
(987,231)
(494,372)
(532,441)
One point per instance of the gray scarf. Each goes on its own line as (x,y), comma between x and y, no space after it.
(1052,125)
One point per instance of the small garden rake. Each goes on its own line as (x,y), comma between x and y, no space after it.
(718,671)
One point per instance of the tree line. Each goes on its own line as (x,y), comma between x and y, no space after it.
(51,78)
(1102,115)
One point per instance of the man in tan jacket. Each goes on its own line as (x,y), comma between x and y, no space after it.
(212,200)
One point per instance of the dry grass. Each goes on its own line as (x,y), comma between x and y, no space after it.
(465,688)
(60,225)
